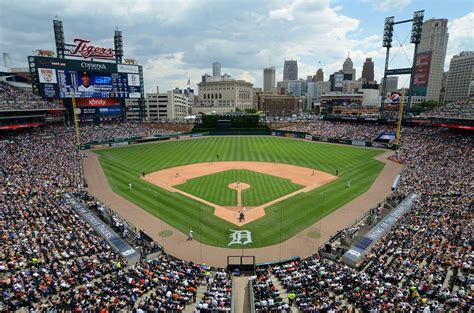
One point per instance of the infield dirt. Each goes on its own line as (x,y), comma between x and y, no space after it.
(310,178)
(299,245)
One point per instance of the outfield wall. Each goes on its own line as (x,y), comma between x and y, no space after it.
(278,133)
(310,137)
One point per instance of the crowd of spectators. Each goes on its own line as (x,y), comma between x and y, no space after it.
(13,98)
(266,294)
(50,258)
(425,262)
(116,131)
(461,108)
(342,130)
(218,295)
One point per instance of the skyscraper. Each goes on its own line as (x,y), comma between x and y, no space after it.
(348,67)
(460,75)
(430,59)
(368,70)
(290,70)
(269,79)
(319,77)
(392,83)
(216,69)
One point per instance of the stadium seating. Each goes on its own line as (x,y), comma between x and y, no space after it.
(462,108)
(342,130)
(13,98)
(50,258)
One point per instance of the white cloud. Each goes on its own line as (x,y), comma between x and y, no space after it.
(387,5)
(461,36)
(175,40)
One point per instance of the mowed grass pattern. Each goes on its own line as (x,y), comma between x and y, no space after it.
(263,188)
(124,165)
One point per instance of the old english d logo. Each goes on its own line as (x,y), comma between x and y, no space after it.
(242,237)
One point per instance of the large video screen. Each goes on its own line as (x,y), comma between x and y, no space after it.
(98,85)
(62,78)
(65,84)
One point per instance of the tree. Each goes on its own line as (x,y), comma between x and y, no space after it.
(250,111)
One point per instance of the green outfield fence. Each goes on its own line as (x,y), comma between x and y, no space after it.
(278,133)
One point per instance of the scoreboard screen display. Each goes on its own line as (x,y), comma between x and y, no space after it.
(63,78)
(98,85)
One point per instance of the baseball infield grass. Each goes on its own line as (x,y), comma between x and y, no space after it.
(283,220)
(263,188)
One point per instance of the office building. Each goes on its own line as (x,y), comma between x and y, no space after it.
(460,76)
(430,59)
(348,67)
(319,77)
(269,76)
(223,96)
(216,69)
(392,84)
(290,70)
(172,105)
(368,70)
(279,105)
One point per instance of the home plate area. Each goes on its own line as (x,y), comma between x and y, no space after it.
(238,201)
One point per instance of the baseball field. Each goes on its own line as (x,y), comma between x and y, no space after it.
(323,177)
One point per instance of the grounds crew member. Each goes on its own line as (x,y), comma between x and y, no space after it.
(291,298)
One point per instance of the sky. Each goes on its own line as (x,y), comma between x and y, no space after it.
(180,39)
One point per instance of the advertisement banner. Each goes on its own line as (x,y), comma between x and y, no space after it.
(114,110)
(308,137)
(100,110)
(97,102)
(362,247)
(358,143)
(422,73)
(101,228)
(47,76)
(338,80)
(125,68)
(119,144)
(73,65)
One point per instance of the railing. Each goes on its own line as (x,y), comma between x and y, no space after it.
(232,297)
(251,297)
(133,235)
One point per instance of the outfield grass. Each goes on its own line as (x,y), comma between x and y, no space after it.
(125,164)
(263,188)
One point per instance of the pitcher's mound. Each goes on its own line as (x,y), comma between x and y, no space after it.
(239,186)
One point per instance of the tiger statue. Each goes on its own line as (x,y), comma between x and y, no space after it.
(44,53)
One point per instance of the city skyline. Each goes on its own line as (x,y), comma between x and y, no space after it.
(175,41)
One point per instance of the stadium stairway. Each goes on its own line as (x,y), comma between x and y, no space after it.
(241,294)
(202,288)
(283,292)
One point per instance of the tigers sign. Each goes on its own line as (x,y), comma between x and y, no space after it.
(86,50)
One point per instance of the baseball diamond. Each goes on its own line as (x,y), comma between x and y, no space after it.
(281,220)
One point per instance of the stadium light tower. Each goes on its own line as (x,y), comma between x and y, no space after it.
(417,24)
